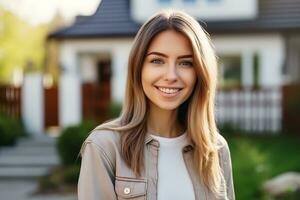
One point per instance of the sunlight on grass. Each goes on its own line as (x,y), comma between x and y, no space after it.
(256,159)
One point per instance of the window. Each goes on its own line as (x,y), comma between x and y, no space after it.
(230,71)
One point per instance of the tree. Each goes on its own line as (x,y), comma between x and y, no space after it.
(20,43)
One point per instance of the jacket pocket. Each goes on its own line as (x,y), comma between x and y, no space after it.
(129,188)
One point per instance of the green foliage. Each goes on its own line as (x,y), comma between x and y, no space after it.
(70,141)
(229,129)
(10,130)
(115,109)
(71,174)
(290,195)
(60,180)
(19,44)
(257,158)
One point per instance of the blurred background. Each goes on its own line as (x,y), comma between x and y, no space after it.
(63,70)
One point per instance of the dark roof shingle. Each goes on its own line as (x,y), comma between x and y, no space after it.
(112,18)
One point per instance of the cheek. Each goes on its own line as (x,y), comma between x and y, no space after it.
(194,80)
(146,77)
(190,78)
(149,75)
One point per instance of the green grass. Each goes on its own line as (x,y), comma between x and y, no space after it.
(256,159)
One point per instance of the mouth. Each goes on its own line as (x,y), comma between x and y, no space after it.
(169,90)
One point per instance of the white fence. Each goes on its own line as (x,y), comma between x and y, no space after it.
(250,110)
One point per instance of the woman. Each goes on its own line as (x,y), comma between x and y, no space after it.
(165,143)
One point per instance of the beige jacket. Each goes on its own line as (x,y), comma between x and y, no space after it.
(105,176)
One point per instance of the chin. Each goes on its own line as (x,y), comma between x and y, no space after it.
(167,106)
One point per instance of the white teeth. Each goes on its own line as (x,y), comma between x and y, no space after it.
(168,90)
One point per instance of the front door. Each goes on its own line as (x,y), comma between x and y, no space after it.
(96,94)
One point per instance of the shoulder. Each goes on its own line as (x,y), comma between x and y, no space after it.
(104,139)
(221,141)
(223,148)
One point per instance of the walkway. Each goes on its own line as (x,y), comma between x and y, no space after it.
(21,165)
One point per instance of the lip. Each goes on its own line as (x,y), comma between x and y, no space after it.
(157,86)
(168,95)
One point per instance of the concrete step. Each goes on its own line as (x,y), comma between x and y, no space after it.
(23,172)
(37,141)
(29,160)
(11,189)
(28,150)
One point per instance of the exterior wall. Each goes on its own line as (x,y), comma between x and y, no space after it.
(88,68)
(71,77)
(203,9)
(270,49)
(33,103)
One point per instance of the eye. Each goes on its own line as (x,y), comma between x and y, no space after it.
(157,61)
(186,63)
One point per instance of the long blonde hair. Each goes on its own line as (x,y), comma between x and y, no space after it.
(197,112)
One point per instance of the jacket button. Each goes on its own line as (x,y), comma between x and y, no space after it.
(126,190)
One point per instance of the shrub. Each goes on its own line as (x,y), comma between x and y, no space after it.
(70,141)
(10,130)
(71,174)
(60,180)
(115,109)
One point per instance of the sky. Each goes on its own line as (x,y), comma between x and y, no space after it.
(42,11)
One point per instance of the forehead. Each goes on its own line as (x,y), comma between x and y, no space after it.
(170,42)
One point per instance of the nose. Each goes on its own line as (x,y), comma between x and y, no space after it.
(171,73)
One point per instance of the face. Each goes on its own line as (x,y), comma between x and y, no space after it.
(168,74)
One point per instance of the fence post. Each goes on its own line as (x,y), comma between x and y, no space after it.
(33,103)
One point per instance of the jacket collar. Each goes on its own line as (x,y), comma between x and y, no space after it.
(149,140)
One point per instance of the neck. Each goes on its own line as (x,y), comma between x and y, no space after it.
(163,122)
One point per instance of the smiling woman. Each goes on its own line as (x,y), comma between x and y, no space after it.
(165,144)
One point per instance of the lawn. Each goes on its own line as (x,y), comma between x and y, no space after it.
(257,158)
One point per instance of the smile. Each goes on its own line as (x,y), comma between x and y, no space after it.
(168,90)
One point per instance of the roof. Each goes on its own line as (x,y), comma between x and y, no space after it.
(273,15)
(112,19)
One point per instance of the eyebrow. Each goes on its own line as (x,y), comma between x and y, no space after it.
(164,55)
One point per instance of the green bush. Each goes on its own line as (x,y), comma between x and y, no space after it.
(258,158)
(115,109)
(290,195)
(10,130)
(70,141)
(61,179)
(71,174)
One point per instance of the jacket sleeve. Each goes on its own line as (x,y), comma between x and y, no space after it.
(96,179)
(227,168)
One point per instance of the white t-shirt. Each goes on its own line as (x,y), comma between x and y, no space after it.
(173,178)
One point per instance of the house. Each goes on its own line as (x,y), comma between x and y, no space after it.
(257,41)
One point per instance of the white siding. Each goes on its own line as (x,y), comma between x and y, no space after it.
(270,49)
(203,9)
